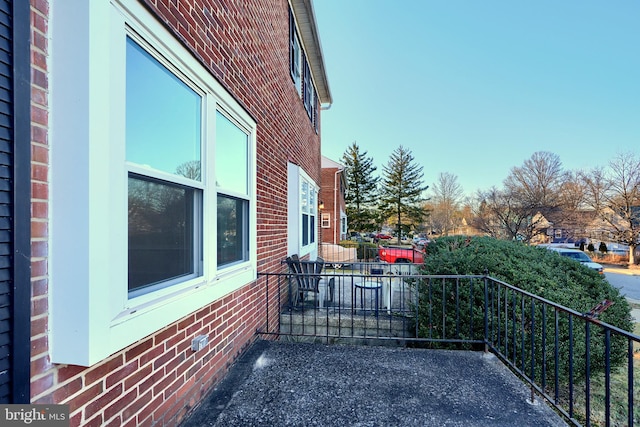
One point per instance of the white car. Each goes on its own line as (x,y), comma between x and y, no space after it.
(336,256)
(579,256)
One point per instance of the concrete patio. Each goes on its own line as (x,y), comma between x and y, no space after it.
(302,384)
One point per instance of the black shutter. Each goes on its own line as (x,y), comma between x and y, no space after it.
(306,85)
(316,106)
(15,199)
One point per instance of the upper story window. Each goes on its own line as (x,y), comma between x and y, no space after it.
(307,87)
(153,182)
(295,54)
(301,73)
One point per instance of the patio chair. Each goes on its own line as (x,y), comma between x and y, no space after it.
(307,278)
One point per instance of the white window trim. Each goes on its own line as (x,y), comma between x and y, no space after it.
(92,315)
(295,175)
(313,192)
(325,220)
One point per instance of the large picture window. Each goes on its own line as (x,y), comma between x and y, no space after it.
(153,184)
(163,140)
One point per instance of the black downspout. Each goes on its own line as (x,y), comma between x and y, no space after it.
(21,375)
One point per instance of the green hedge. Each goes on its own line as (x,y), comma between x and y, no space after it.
(532,269)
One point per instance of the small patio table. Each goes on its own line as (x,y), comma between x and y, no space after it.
(373,285)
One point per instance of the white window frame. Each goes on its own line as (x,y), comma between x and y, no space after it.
(309,207)
(326,220)
(88,211)
(295,177)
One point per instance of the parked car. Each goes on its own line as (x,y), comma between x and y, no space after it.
(421,241)
(394,255)
(382,236)
(354,235)
(336,256)
(578,255)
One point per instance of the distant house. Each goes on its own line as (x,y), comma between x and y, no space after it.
(563,227)
(333,216)
(162,153)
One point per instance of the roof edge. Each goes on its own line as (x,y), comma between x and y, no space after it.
(308,29)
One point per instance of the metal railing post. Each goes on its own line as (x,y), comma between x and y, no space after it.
(486,311)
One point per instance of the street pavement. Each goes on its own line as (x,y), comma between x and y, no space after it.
(612,269)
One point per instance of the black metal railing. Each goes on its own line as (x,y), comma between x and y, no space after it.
(570,358)
(583,367)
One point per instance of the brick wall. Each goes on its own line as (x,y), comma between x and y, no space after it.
(158,379)
(333,203)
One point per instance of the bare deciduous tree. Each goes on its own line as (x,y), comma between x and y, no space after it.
(445,201)
(532,193)
(573,213)
(537,182)
(615,196)
(502,215)
(190,169)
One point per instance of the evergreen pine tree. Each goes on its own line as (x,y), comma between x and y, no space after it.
(402,188)
(361,192)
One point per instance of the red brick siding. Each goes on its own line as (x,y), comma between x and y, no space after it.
(333,203)
(157,380)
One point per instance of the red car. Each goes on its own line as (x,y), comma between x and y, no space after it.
(394,255)
(382,236)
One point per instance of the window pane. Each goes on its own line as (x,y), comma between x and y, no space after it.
(312,201)
(233,238)
(161,232)
(312,227)
(232,153)
(163,128)
(304,196)
(305,229)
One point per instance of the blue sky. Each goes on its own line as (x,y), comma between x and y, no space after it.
(474,88)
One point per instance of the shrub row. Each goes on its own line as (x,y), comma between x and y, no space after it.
(442,304)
